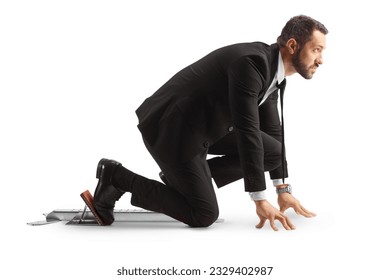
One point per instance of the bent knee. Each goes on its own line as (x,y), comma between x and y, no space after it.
(205,219)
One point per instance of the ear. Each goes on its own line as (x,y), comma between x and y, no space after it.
(292,46)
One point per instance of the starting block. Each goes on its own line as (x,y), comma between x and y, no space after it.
(86,217)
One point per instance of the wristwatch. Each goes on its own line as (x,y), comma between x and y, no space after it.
(287,189)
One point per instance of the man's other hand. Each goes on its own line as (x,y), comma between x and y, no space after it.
(266,211)
(286,200)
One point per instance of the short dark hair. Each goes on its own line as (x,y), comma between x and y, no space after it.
(301,29)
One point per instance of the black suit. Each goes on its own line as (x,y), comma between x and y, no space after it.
(211,106)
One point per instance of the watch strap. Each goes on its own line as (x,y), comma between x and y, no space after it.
(287,189)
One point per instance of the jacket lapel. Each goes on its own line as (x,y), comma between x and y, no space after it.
(273,67)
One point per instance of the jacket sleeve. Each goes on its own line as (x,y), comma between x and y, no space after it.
(245,83)
(270,124)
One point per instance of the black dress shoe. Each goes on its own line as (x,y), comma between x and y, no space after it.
(105,193)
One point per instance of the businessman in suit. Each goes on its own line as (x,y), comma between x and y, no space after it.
(224,104)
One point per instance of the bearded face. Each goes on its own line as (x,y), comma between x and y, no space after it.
(306,71)
(308,58)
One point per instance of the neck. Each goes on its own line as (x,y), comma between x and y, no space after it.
(287,62)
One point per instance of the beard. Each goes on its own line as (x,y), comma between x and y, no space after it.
(301,68)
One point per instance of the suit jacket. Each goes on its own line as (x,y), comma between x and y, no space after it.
(210,98)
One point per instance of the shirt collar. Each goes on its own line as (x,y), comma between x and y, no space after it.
(280,73)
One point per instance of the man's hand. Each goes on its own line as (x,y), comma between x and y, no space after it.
(266,211)
(286,200)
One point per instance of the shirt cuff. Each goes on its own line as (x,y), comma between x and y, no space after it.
(278,182)
(260,195)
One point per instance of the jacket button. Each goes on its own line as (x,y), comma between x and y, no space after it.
(230,128)
(206,144)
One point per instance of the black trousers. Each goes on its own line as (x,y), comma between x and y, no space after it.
(189,196)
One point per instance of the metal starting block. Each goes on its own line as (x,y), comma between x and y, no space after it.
(85,217)
(88,217)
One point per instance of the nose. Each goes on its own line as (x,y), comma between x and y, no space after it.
(319,60)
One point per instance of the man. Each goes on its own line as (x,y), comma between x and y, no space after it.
(224,104)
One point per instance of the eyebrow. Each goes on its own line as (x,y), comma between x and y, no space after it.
(319,46)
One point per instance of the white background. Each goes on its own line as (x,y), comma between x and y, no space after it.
(72,74)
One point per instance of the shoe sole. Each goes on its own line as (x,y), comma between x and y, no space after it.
(88,199)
